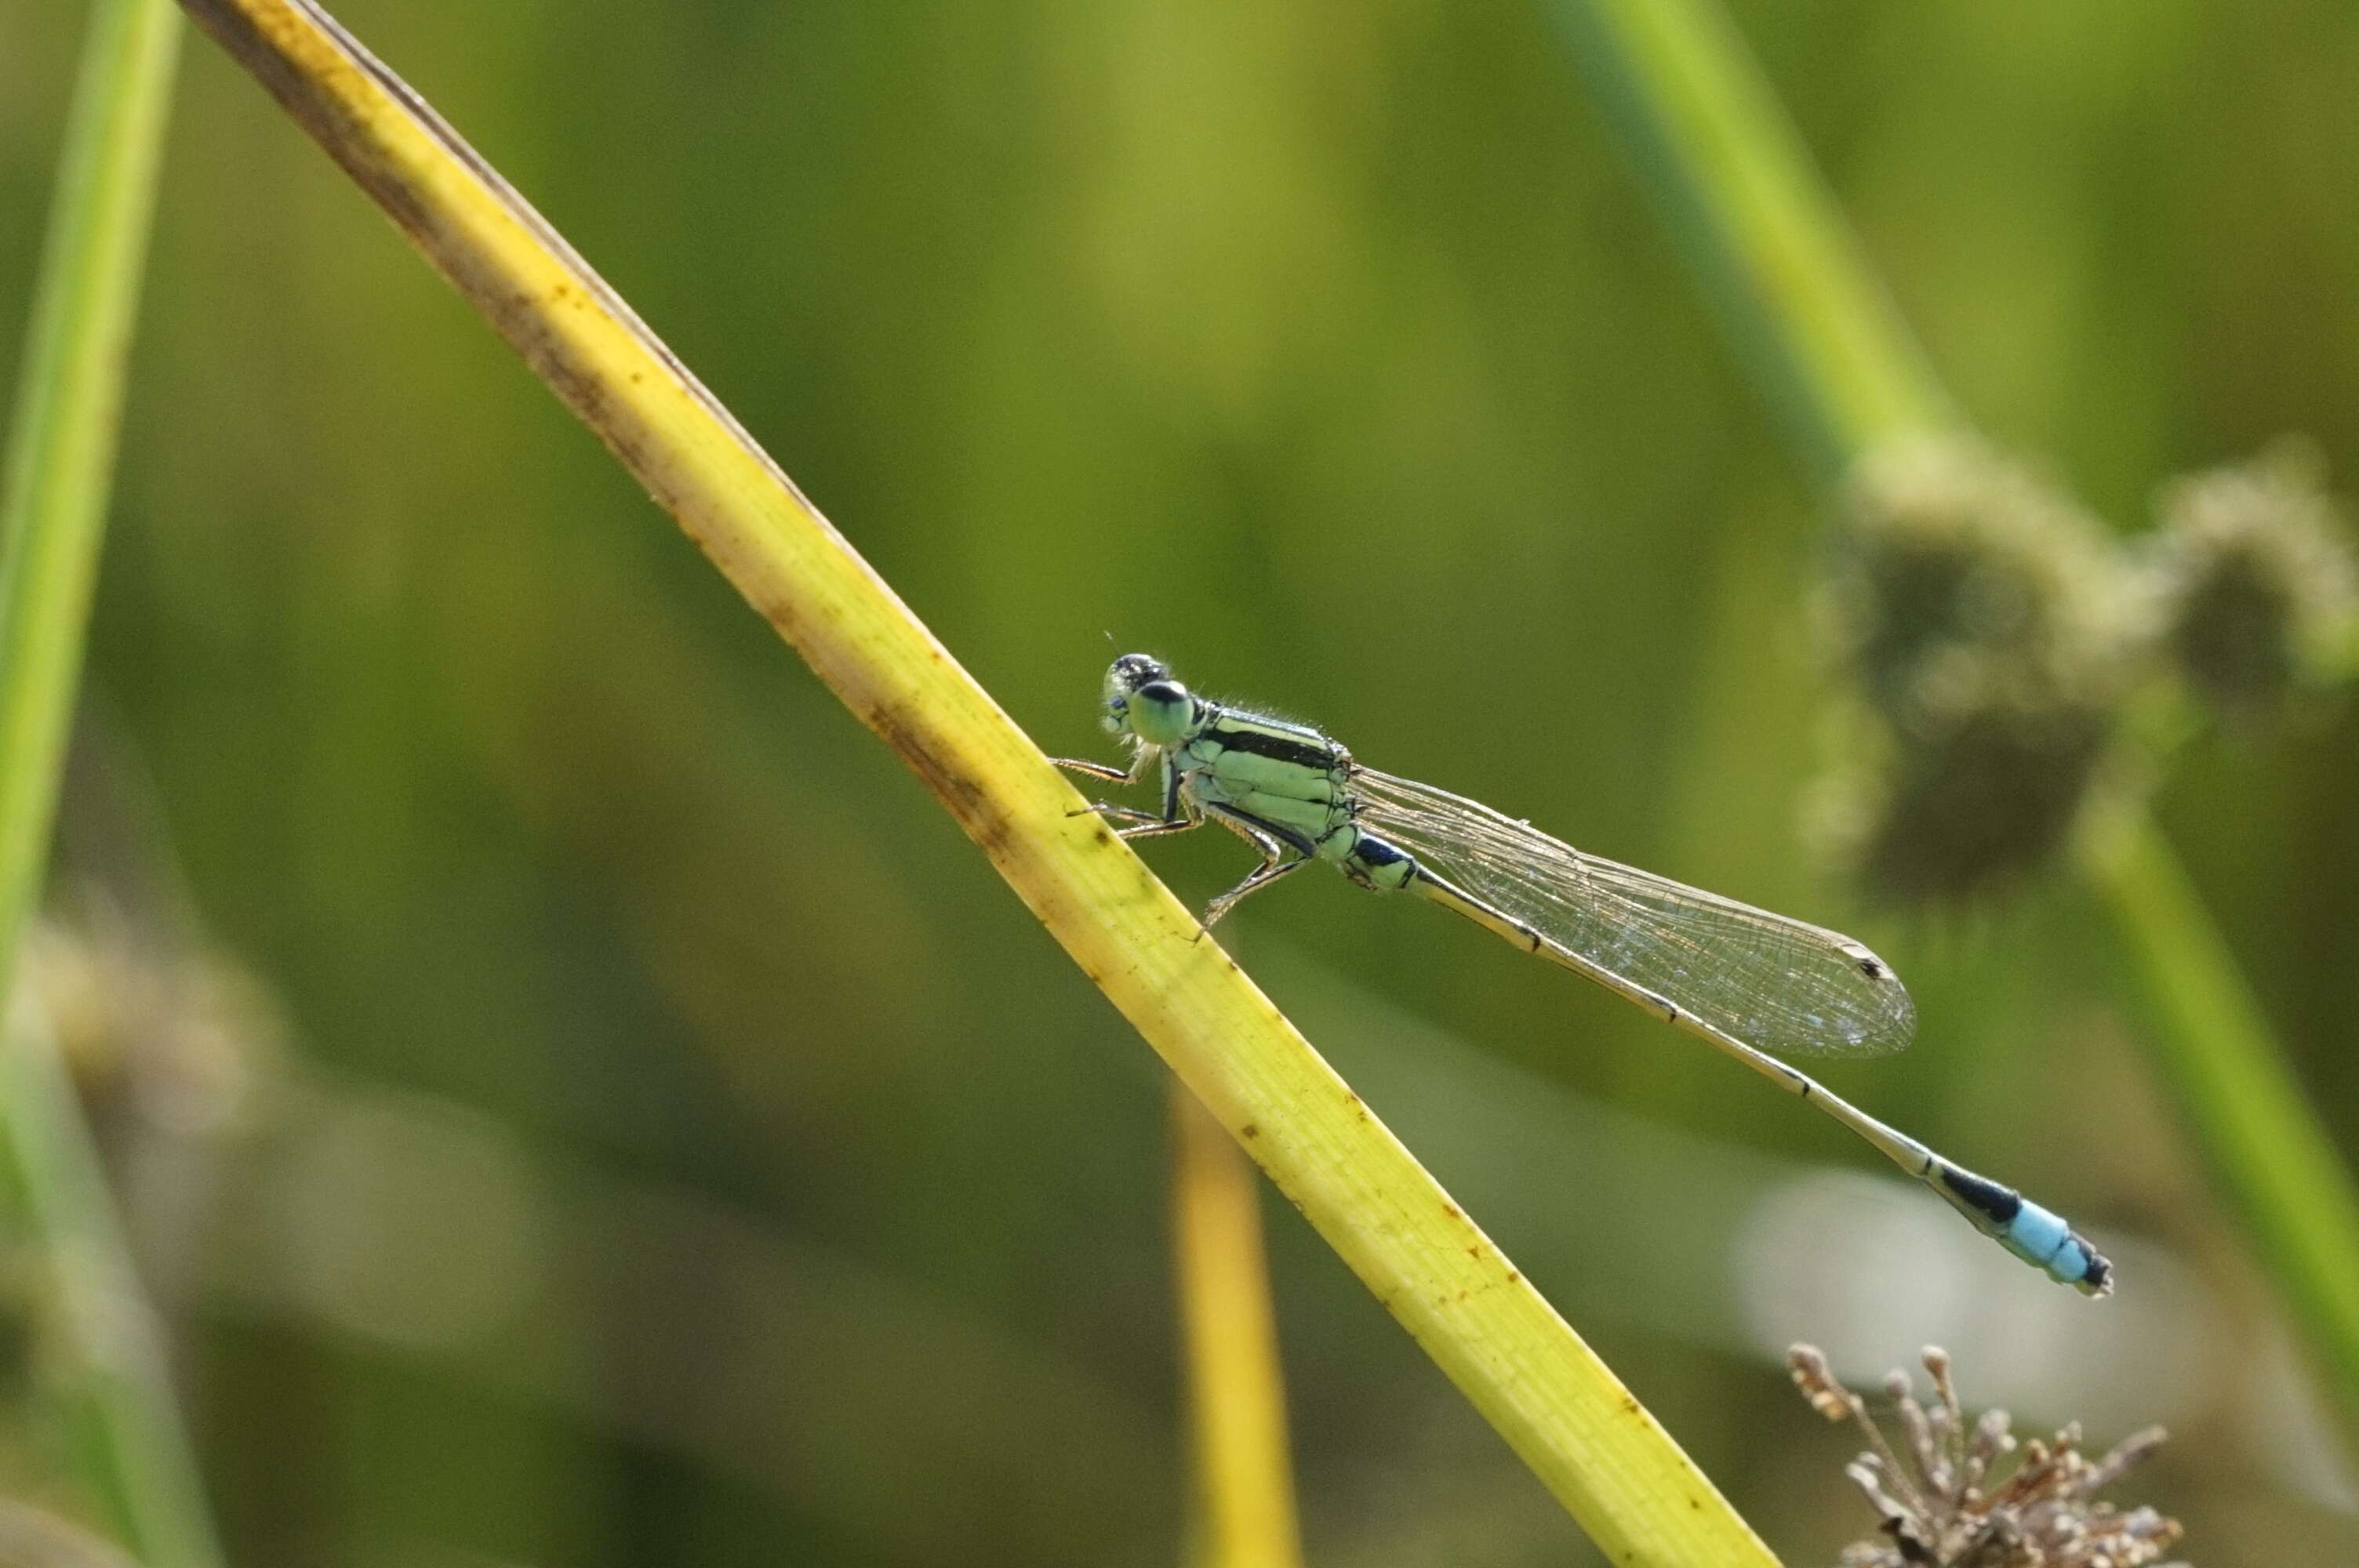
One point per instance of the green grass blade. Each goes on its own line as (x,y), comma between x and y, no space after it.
(124,1424)
(1830,350)
(1596,1448)
(60,458)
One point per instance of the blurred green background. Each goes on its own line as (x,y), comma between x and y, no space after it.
(581,1102)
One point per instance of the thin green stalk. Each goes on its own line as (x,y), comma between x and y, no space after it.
(2266,1149)
(1587,1438)
(1762,228)
(61,461)
(1731,176)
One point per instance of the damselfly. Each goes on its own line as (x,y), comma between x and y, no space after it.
(1747,981)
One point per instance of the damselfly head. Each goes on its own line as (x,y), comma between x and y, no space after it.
(1142,699)
(1132,671)
(1124,676)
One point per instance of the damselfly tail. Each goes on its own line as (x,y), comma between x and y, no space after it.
(2036,1235)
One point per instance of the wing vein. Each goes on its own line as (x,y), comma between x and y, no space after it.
(1775,983)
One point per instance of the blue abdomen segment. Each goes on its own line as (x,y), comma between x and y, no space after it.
(2040,1237)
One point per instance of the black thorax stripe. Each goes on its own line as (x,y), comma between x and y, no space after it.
(1280,742)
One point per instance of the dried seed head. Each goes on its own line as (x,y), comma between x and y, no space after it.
(1821,1387)
(1994,630)
(1993,797)
(2253,577)
(1946,1509)
(1967,583)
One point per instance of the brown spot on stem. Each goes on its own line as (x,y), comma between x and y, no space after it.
(973,805)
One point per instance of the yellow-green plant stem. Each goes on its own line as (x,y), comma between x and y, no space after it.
(1236,1396)
(1711,141)
(1638,1497)
(128,1439)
